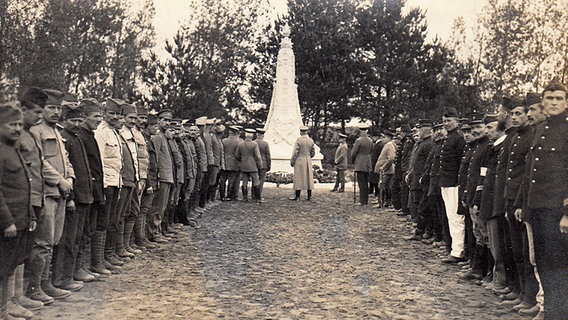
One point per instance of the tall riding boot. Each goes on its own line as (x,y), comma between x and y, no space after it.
(46,285)
(297,195)
(342,188)
(120,249)
(254,194)
(97,247)
(109,255)
(80,274)
(128,229)
(309,194)
(19,296)
(14,309)
(34,291)
(244,189)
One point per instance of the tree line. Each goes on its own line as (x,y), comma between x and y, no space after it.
(368,59)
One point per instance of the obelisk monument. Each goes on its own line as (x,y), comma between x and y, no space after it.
(284,116)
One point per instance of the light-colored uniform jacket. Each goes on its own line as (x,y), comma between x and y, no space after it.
(230,146)
(110,148)
(361,154)
(56,165)
(304,150)
(386,159)
(341,154)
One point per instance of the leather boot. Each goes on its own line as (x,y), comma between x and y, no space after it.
(80,274)
(139,236)
(296,196)
(46,285)
(97,247)
(309,195)
(19,296)
(119,243)
(128,230)
(109,255)
(14,309)
(342,188)
(34,291)
(244,189)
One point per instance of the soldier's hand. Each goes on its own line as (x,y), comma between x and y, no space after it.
(519,214)
(33,226)
(71,205)
(475,209)
(150,190)
(64,187)
(11,231)
(564,224)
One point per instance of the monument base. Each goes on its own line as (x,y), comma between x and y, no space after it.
(283,165)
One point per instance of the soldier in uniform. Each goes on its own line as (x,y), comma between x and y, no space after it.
(218,159)
(340,162)
(374,178)
(361,157)
(151,186)
(251,161)
(17,218)
(59,175)
(301,160)
(403,157)
(230,182)
(385,166)
(264,148)
(547,200)
(451,154)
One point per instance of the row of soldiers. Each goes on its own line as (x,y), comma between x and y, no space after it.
(113,180)
(491,190)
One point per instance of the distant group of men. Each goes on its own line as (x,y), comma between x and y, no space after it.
(112,180)
(490,189)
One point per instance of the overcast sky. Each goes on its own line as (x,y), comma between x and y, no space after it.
(440,15)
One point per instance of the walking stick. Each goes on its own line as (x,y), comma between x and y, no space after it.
(381,191)
(354,187)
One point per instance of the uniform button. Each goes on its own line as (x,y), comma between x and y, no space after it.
(510,170)
(512,153)
(508,178)
(546,127)
(535,159)
(553,149)
(539,148)
(533,181)
(542,137)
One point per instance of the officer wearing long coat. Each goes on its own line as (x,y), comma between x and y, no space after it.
(361,156)
(251,161)
(301,160)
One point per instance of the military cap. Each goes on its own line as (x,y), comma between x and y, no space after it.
(239,127)
(152,119)
(217,121)
(142,110)
(424,123)
(405,128)
(532,98)
(34,96)
(10,112)
(490,118)
(250,130)
(388,133)
(511,102)
(450,112)
(201,121)
(165,112)
(72,111)
(68,99)
(466,127)
(363,126)
(128,109)
(114,105)
(90,105)
(476,118)
(54,97)
(210,121)
(220,128)
(554,86)
(234,128)
(176,121)
(261,130)
(341,135)
(304,128)
(439,126)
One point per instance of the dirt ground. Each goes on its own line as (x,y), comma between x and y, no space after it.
(320,259)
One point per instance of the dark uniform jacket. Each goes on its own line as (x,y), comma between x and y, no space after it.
(164,158)
(485,194)
(152,178)
(249,156)
(406,152)
(464,168)
(82,185)
(15,189)
(474,170)
(452,152)
(548,158)
(434,172)
(128,168)
(30,149)
(419,161)
(230,145)
(95,163)
(375,153)
(499,204)
(516,166)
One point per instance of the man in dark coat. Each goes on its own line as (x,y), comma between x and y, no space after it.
(248,155)
(264,148)
(451,154)
(230,180)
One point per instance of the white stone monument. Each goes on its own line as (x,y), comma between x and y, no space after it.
(284,117)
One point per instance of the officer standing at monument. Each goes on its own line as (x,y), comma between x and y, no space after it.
(264,148)
(340,162)
(301,160)
(361,156)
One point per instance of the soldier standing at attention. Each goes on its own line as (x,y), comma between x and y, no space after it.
(450,158)
(265,155)
(249,155)
(340,163)
(232,165)
(304,150)
(361,156)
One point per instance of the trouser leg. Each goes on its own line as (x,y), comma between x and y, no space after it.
(456,222)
